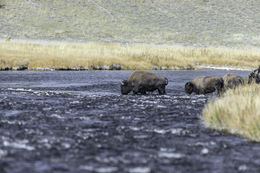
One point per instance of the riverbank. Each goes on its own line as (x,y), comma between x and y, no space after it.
(241,116)
(44,55)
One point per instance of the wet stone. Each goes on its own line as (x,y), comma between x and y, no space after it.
(106,67)
(163,68)
(242,168)
(188,67)
(155,67)
(6,68)
(204,151)
(115,67)
(175,68)
(21,67)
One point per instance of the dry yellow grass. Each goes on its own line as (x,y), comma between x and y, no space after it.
(236,112)
(136,56)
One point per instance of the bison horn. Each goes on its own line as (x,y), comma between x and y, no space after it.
(124,82)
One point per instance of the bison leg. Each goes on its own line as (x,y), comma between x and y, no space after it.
(143,92)
(161,90)
(140,90)
(136,89)
(219,87)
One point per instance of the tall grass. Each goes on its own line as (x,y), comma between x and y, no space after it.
(135,56)
(237,112)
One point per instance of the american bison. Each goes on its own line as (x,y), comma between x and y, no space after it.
(231,81)
(254,76)
(205,84)
(142,82)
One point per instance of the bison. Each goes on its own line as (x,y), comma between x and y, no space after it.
(142,82)
(205,84)
(231,81)
(254,76)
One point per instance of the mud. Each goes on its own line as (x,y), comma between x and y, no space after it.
(78,122)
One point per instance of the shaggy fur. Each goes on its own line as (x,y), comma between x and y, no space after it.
(254,77)
(231,81)
(205,84)
(142,82)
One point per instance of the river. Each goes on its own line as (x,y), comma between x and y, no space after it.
(77,121)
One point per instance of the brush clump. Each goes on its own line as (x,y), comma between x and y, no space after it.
(236,112)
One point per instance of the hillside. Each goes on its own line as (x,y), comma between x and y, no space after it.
(233,23)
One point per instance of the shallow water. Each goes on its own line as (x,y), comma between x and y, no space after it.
(69,121)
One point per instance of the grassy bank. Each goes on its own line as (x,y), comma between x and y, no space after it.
(241,116)
(136,56)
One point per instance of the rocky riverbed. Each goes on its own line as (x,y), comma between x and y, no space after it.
(77,121)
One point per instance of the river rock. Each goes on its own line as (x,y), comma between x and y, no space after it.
(96,67)
(5,68)
(62,68)
(21,67)
(44,69)
(105,67)
(101,67)
(155,67)
(175,68)
(115,67)
(164,68)
(204,151)
(242,168)
(188,67)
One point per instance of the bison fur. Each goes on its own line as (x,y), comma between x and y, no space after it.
(231,81)
(254,77)
(141,82)
(205,85)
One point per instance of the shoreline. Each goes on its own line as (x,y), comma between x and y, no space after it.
(203,67)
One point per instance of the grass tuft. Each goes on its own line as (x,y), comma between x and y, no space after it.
(236,112)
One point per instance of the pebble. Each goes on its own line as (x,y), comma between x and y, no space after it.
(242,168)
(204,151)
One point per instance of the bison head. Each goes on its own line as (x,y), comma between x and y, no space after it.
(234,83)
(189,87)
(254,76)
(126,87)
(166,81)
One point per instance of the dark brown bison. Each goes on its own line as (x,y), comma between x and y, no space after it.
(205,84)
(254,77)
(142,82)
(231,81)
